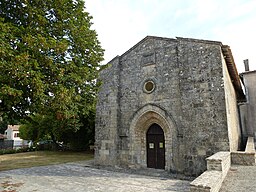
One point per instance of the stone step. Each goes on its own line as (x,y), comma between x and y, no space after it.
(209,181)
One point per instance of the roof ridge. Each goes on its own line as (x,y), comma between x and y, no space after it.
(168,39)
(200,40)
(144,39)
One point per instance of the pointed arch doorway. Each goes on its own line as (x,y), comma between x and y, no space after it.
(155,147)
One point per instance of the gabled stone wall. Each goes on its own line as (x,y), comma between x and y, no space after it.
(106,137)
(188,102)
(202,102)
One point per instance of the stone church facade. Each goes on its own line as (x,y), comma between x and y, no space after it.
(168,104)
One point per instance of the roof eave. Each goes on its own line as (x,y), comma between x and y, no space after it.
(233,72)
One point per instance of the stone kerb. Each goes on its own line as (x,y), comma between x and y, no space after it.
(246,157)
(211,180)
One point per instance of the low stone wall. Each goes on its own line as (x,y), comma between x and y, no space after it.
(211,180)
(218,166)
(246,157)
(243,158)
(219,162)
(208,181)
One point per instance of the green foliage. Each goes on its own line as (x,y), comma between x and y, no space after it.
(3,124)
(39,126)
(78,134)
(7,151)
(83,137)
(49,62)
(12,151)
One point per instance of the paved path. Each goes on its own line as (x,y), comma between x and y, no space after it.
(240,179)
(73,177)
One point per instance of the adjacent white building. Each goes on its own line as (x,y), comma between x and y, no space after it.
(12,133)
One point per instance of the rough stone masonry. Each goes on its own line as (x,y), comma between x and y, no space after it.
(170,102)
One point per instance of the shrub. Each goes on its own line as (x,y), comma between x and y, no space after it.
(8,151)
(12,151)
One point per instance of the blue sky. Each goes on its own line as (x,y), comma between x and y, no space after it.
(120,24)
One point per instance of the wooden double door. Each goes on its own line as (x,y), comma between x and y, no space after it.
(155,147)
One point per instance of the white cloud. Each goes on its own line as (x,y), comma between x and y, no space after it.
(122,23)
(238,32)
(116,23)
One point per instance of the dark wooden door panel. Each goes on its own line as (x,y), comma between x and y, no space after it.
(155,147)
(151,153)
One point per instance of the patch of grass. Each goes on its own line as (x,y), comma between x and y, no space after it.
(40,158)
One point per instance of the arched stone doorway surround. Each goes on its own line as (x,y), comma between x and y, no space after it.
(141,121)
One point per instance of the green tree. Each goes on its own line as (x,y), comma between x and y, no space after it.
(83,137)
(3,125)
(49,60)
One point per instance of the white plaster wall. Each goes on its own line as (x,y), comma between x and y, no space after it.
(234,133)
(9,134)
(249,82)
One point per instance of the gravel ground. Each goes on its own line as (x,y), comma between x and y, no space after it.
(240,179)
(82,177)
